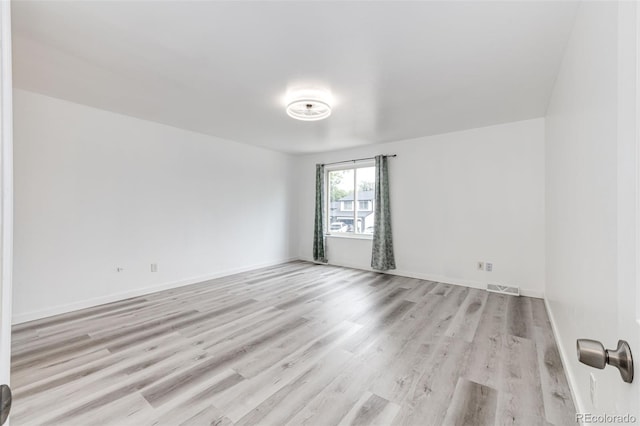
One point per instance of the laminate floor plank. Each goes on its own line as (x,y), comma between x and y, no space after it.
(520,399)
(208,416)
(390,317)
(486,358)
(472,404)
(125,363)
(258,361)
(418,289)
(240,400)
(520,317)
(408,347)
(555,389)
(355,304)
(46,370)
(284,404)
(127,406)
(192,402)
(428,400)
(465,323)
(122,338)
(370,410)
(441,316)
(294,344)
(335,401)
(200,371)
(69,318)
(79,399)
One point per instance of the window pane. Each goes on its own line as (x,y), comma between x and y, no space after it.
(365,181)
(341,201)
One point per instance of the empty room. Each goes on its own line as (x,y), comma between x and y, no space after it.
(319,213)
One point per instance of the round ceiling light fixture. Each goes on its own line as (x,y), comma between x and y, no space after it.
(309,105)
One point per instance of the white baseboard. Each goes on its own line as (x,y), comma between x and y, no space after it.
(89,303)
(564,357)
(430,277)
(96,301)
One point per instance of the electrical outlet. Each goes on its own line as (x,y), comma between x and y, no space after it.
(592,389)
(154,267)
(489,266)
(480,266)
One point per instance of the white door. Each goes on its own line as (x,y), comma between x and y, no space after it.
(6,196)
(627,396)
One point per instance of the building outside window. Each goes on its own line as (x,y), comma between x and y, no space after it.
(350,199)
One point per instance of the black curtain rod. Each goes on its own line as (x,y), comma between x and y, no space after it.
(357,159)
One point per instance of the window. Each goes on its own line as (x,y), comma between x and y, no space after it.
(364,205)
(350,199)
(347,205)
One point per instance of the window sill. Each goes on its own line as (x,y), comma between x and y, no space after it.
(351,236)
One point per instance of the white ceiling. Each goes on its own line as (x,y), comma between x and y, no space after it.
(397,70)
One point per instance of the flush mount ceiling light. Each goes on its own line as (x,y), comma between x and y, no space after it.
(309,110)
(309,105)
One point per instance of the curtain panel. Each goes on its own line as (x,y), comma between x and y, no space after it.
(318,228)
(382,257)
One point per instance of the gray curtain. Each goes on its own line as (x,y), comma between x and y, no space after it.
(382,253)
(318,228)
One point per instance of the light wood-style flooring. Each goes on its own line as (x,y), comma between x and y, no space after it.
(295,344)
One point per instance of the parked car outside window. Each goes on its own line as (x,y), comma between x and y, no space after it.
(339,227)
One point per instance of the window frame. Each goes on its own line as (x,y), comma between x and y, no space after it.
(327,192)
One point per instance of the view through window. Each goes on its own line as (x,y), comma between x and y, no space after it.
(351,200)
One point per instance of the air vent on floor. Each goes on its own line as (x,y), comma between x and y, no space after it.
(503,289)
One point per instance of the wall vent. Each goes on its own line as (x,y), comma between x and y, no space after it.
(503,289)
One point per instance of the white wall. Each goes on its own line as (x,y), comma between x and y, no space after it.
(96,190)
(457,198)
(590,199)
